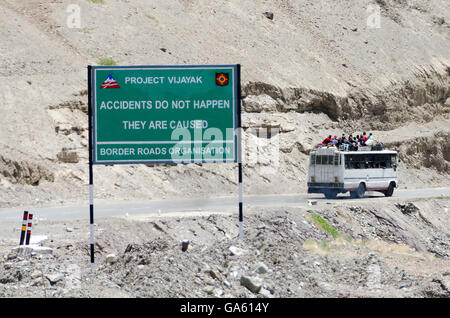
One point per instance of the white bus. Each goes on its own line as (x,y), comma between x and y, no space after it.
(332,171)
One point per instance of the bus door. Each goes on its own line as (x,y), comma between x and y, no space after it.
(393,165)
(389,168)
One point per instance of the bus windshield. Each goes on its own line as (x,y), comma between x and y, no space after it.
(325,159)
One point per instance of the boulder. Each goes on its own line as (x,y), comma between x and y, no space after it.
(111,258)
(237,251)
(54,278)
(253,284)
(268,15)
(262,268)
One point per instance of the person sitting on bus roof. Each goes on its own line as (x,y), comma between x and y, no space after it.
(335,141)
(350,141)
(344,142)
(359,140)
(327,140)
(341,140)
(364,137)
(346,146)
(353,143)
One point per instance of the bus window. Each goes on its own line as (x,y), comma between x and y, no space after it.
(331,160)
(336,159)
(393,160)
(312,160)
(347,161)
(388,161)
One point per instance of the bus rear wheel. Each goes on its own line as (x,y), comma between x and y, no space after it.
(360,192)
(330,194)
(390,190)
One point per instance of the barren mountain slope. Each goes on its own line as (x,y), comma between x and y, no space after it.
(318,67)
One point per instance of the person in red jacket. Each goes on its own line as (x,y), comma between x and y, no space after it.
(327,140)
(363,139)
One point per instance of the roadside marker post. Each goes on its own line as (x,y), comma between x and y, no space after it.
(174,114)
(24,227)
(30,222)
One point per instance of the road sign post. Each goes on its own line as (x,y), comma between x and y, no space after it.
(164,114)
(91,171)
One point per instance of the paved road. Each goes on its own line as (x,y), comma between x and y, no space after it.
(208,204)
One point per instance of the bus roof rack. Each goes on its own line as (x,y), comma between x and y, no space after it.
(376,147)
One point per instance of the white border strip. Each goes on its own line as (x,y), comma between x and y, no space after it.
(164,142)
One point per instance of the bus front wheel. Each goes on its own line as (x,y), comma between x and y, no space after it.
(390,190)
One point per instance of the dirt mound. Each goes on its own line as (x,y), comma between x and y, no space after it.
(28,171)
(429,152)
(397,250)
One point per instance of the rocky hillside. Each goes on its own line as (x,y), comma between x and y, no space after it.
(310,68)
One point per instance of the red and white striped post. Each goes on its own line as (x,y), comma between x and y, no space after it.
(30,221)
(24,227)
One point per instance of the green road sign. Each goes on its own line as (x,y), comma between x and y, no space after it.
(165,114)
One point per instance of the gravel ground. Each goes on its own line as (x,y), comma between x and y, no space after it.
(332,251)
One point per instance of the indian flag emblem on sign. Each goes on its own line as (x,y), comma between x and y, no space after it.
(222,79)
(110,82)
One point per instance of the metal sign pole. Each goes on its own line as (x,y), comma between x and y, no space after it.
(187,98)
(91,174)
(239,154)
